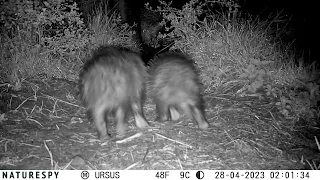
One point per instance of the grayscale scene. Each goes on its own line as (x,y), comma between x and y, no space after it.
(159,85)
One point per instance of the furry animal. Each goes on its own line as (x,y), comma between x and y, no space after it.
(175,87)
(112,83)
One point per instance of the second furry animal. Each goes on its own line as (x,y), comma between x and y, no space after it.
(175,88)
(112,83)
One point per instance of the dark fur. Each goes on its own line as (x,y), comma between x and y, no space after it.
(175,86)
(112,83)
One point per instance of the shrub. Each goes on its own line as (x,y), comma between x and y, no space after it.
(237,54)
(41,37)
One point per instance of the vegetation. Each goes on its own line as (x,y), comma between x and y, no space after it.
(244,57)
(236,52)
(51,38)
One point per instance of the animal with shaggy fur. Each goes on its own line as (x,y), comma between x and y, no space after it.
(175,88)
(112,84)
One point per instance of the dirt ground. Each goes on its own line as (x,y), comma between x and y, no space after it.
(44,126)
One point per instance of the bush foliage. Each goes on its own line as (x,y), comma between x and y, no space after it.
(240,55)
(50,37)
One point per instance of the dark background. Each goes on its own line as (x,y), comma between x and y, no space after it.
(302,25)
(302,18)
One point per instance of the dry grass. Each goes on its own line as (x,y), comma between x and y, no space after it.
(108,29)
(48,130)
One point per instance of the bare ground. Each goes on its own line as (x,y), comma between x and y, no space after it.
(44,126)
